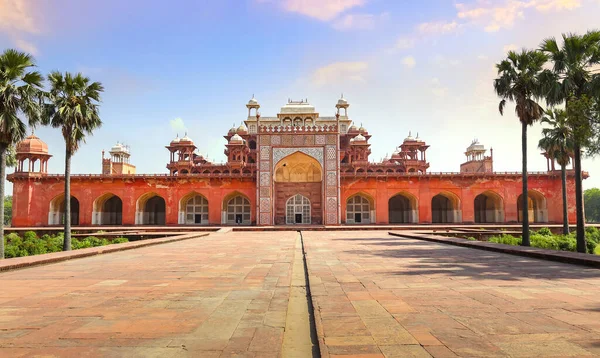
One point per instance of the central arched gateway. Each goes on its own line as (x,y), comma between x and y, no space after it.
(298,178)
(297,210)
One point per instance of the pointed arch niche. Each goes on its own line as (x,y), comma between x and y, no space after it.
(298,174)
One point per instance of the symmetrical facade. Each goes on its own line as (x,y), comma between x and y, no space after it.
(295,168)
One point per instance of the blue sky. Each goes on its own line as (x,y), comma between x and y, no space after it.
(420,66)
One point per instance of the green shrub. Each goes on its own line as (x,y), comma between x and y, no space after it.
(506,239)
(544,232)
(29,235)
(119,240)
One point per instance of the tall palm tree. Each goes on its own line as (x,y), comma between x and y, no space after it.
(73,107)
(519,81)
(20,96)
(558,144)
(570,80)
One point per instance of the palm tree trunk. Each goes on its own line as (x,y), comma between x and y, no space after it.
(563,175)
(525,197)
(581,245)
(3,148)
(67,242)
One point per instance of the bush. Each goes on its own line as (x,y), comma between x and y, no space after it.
(544,232)
(506,239)
(30,244)
(120,240)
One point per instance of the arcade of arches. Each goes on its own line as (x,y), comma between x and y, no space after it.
(298,208)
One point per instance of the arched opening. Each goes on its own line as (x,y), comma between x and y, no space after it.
(237,210)
(445,208)
(150,210)
(108,210)
(297,210)
(184,171)
(488,208)
(193,210)
(359,210)
(402,209)
(298,173)
(538,213)
(56,215)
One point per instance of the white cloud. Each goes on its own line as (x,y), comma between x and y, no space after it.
(437,89)
(405,43)
(16,19)
(359,21)
(482,57)
(323,10)
(510,47)
(409,62)
(17,16)
(352,71)
(436,28)
(26,46)
(177,125)
(496,15)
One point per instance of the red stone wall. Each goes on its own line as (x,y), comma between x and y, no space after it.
(466,189)
(32,196)
(313,191)
(32,199)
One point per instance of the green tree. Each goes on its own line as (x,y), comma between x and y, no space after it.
(519,81)
(592,205)
(572,82)
(7,209)
(72,107)
(558,144)
(20,97)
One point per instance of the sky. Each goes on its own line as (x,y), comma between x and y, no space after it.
(173,67)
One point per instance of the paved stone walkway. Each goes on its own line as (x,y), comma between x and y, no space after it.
(219,296)
(377,295)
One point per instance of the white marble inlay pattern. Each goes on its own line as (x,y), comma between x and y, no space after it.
(280,153)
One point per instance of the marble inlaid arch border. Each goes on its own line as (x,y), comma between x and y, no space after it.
(280,153)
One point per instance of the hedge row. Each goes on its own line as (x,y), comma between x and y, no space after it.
(30,244)
(544,239)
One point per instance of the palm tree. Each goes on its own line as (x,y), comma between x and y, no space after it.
(570,80)
(519,81)
(73,107)
(20,96)
(558,144)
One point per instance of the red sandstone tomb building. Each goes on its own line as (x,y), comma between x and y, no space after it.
(295,168)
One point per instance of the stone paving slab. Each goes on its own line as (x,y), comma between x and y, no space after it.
(223,295)
(377,295)
(553,255)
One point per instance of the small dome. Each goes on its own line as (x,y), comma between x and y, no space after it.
(409,138)
(342,101)
(252,101)
(186,139)
(362,129)
(32,144)
(242,129)
(117,148)
(359,138)
(176,140)
(236,139)
(353,128)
